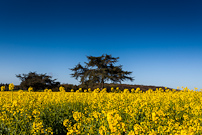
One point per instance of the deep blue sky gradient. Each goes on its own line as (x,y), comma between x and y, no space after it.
(160,41)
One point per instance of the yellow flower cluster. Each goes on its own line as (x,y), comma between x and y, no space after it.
(131,112)
(115,125)
(30,89)
(3,88)
(62,89)
(11,86)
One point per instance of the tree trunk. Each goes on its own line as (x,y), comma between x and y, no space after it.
(102,83)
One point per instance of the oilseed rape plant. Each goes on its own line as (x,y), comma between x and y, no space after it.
(3,88)
(96,112)
(11,86)
(30,89)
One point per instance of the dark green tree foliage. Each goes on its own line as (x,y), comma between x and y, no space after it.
(37,81)
(99,70)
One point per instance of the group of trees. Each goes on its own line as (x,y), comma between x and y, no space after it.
(97,70)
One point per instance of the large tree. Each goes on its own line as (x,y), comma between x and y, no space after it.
(99,70)
(37,81)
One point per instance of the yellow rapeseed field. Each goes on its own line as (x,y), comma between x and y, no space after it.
(131,112)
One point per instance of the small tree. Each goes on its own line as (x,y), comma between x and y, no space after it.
(99,70)
(37,81)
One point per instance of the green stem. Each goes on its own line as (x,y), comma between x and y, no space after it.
(12,96)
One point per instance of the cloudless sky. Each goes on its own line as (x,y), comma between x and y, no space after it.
(160,41)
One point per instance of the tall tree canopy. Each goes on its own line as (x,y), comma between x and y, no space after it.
(37,81)
(99,70)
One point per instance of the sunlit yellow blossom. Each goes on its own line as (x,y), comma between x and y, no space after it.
(137,90)
(62,89)
(3,88)
(30,89)
(195,88)
(102,130)
(49,90)
(66,122)
(11,86)
(14,103)
(77,116)
(45,90)
(89,90)
(132,90)
(72,90)
(131,133)
(126,91)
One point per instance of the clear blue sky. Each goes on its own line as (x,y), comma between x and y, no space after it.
(160,41)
